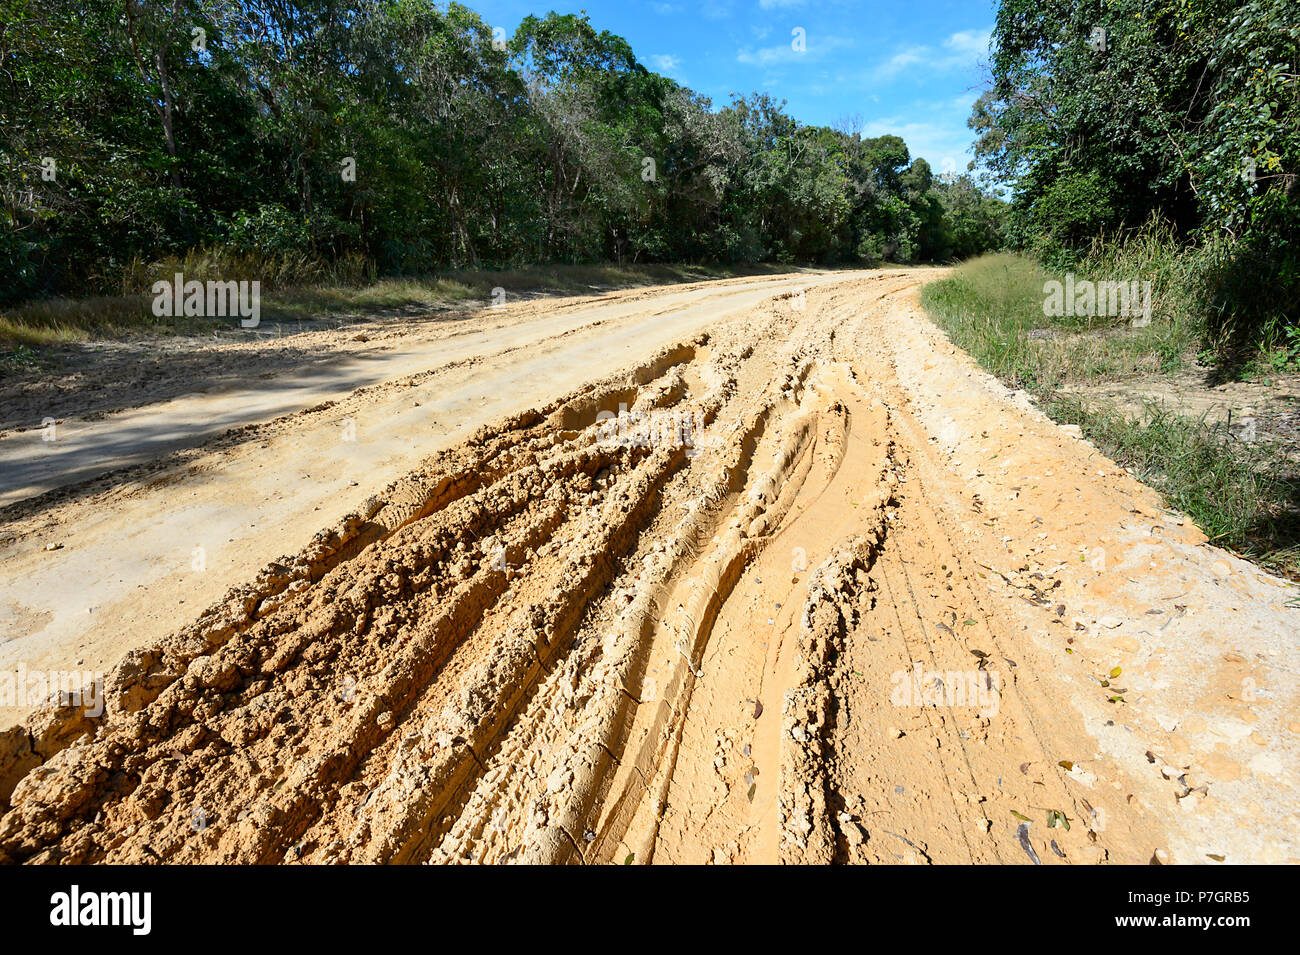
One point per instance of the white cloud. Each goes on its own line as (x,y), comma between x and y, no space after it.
(665,62)
(901,61)
(765,55)
(816,47)
(780,4)
(969,44)
(960,51)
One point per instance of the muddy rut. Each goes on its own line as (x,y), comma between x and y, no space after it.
(769,596)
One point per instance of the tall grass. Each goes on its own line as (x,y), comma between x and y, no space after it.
(1250,302)
(299,287)
(993,307)
(276,270)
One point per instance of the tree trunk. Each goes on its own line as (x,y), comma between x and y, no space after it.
(165,112)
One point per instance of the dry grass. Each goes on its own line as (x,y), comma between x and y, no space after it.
(296,289)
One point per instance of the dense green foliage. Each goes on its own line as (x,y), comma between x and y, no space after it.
(554,145)
(1188,113)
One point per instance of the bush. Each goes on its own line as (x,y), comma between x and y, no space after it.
(1074,208)
(17,271)
(270,229)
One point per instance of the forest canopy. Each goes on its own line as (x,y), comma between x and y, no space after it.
(410,137)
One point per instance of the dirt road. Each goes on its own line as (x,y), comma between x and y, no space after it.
(822,592)
(168,484)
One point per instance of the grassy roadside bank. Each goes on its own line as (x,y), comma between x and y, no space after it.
(51,322)
(1242,491)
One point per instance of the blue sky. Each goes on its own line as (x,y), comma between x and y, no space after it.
(911,68)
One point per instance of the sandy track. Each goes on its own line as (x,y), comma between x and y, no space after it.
(108,419)
(162,498)
(860,610)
